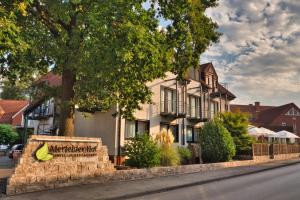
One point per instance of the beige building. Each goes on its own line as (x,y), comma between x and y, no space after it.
(180,107)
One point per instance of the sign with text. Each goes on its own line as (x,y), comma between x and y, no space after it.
(73,150)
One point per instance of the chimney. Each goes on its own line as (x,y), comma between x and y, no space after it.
(257,105)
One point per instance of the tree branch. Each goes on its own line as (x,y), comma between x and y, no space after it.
(45,18)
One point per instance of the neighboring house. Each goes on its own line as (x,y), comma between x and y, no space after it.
(43,110)
(11,112)
(182,108)
(276,118)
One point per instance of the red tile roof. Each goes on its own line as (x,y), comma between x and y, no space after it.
(269,115)
(263,114)
(247,108)
(50,79)
(9,109)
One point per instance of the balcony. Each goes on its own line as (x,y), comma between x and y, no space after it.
(41,112)
(172,109)
(196,114)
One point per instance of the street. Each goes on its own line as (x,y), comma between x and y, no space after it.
(278,184)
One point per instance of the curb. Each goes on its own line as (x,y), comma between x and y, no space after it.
(155,191)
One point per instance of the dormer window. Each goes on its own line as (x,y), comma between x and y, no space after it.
(293,112)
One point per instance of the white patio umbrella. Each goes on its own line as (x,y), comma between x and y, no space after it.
(268,132)
(286,134)
(255,131)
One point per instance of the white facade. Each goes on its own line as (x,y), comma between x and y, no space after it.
(154,117)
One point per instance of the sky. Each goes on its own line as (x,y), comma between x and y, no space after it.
(258,55)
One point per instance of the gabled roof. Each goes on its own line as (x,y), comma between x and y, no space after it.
(205,67)
(10,109)
(271,114)
(224,91)
(50,79)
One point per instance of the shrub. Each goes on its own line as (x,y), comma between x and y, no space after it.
(237,125)
(216,143)
(169,155)
(185,155)
(142,152)
(7,134)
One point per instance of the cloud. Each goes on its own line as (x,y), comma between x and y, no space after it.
(259,51)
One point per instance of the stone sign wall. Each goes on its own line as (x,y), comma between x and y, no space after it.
(53,161)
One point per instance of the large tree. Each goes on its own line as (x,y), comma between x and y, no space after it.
(106,51)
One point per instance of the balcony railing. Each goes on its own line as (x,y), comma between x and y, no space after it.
(196,113)
(42,111)
(172,108)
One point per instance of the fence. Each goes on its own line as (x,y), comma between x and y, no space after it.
(260,149)
(274,149)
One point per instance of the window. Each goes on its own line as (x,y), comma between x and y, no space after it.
(129,129)
(214,108)
(194,105)
(197,132)
(283,124)
(168,100)
(135,127)
(226,107)
(189,134)
(293,112)
(172,128)
(192,134)
(142,127)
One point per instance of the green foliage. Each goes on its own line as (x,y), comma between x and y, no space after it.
(185,155)
(169,156)
(13,91)
(216,143)
(237,125)
(7,134)
(142,152)
(190,32)
(106,51)
(9,33)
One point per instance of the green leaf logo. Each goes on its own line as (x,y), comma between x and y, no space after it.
(43,153)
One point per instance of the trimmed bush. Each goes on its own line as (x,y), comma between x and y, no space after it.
(142,152)
(8,135)
(185,155)
(216,143)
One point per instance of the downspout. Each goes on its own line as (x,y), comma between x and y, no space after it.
(25,129)
(201,110)
(226,103)
(119,136)
(220,101)
(209,105)
(177,102)
(185,109)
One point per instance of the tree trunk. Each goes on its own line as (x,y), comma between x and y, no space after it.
(66,124)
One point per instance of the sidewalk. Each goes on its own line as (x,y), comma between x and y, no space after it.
(126,189)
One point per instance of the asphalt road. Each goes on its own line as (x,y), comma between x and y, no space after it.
(277,184)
